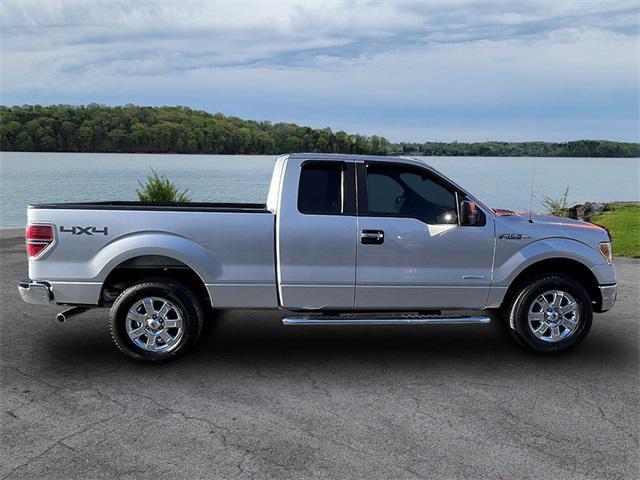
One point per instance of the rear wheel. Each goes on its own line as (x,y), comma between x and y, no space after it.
(155,320)
(550,314)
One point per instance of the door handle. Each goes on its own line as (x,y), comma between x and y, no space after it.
(372,237)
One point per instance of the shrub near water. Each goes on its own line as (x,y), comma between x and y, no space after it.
(558,207)
(159,189)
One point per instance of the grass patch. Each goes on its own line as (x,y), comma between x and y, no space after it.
(623,221)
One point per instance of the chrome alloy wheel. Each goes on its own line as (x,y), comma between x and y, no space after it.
(154,324)
(554,316)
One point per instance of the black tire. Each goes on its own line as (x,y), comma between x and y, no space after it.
(187,308)
(517,313)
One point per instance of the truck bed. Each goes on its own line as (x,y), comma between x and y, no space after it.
(229,246)
(132,205)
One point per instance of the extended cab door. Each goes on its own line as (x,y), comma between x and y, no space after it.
(412,252)
(315,235)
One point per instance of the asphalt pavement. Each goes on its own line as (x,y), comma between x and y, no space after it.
(259,400)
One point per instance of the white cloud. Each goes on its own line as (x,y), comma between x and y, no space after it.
(325,62)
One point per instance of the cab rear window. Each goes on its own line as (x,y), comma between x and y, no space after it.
(320,189)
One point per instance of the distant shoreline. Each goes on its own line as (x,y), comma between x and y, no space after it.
(133,129)
(11,232)
(410,154)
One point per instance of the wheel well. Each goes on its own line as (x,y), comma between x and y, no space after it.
(135,269)
(571,268)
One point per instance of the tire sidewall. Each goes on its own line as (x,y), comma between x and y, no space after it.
(177,294)
(519,320)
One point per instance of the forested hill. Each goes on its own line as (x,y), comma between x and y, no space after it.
(134,129)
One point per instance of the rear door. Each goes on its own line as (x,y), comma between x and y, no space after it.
(316,232)
(412,253)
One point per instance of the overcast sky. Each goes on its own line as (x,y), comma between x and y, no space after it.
(408,70)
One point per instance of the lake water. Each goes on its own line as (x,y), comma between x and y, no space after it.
(501,182)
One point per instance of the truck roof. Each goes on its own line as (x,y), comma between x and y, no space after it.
(381,158)
(352,157)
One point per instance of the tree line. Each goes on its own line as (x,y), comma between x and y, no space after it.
(577,148)
(136,129)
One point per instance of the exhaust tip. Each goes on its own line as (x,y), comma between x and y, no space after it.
(70,312)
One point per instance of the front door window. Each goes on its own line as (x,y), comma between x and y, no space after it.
(399,192)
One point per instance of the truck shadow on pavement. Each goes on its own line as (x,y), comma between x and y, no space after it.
(259,338)
(262,334)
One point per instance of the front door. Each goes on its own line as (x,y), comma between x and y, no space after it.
(412,253)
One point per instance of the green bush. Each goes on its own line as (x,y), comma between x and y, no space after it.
(159,189)
(558,207)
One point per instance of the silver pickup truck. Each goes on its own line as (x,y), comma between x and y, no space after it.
(342,240)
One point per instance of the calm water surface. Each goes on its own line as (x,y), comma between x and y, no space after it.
(502,182)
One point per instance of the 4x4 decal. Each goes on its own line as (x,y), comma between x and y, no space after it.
(84,230)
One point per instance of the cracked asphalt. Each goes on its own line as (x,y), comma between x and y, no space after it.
(259,400)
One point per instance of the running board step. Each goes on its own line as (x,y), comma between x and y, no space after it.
(384,319)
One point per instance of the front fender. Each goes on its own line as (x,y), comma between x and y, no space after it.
(507,269)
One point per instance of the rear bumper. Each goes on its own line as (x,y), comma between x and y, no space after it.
(37,293)
(608,295)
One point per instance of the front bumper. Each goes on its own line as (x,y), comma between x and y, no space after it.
(38,293)
(608,295)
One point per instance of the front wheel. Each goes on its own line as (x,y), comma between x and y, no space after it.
(551,314)
(155,320)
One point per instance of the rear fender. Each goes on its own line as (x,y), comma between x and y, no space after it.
(179,248)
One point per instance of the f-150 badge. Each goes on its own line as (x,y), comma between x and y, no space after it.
(513,236)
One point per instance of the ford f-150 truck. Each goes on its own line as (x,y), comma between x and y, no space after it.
(342,239)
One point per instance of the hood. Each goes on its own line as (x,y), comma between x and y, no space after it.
(548,226)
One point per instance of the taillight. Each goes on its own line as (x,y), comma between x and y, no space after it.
(40,233)
(38,238)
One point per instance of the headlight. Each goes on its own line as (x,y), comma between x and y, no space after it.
(605,250)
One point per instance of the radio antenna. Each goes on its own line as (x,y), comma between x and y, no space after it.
(533,171)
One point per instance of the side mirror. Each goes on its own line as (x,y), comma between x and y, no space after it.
(468,213)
